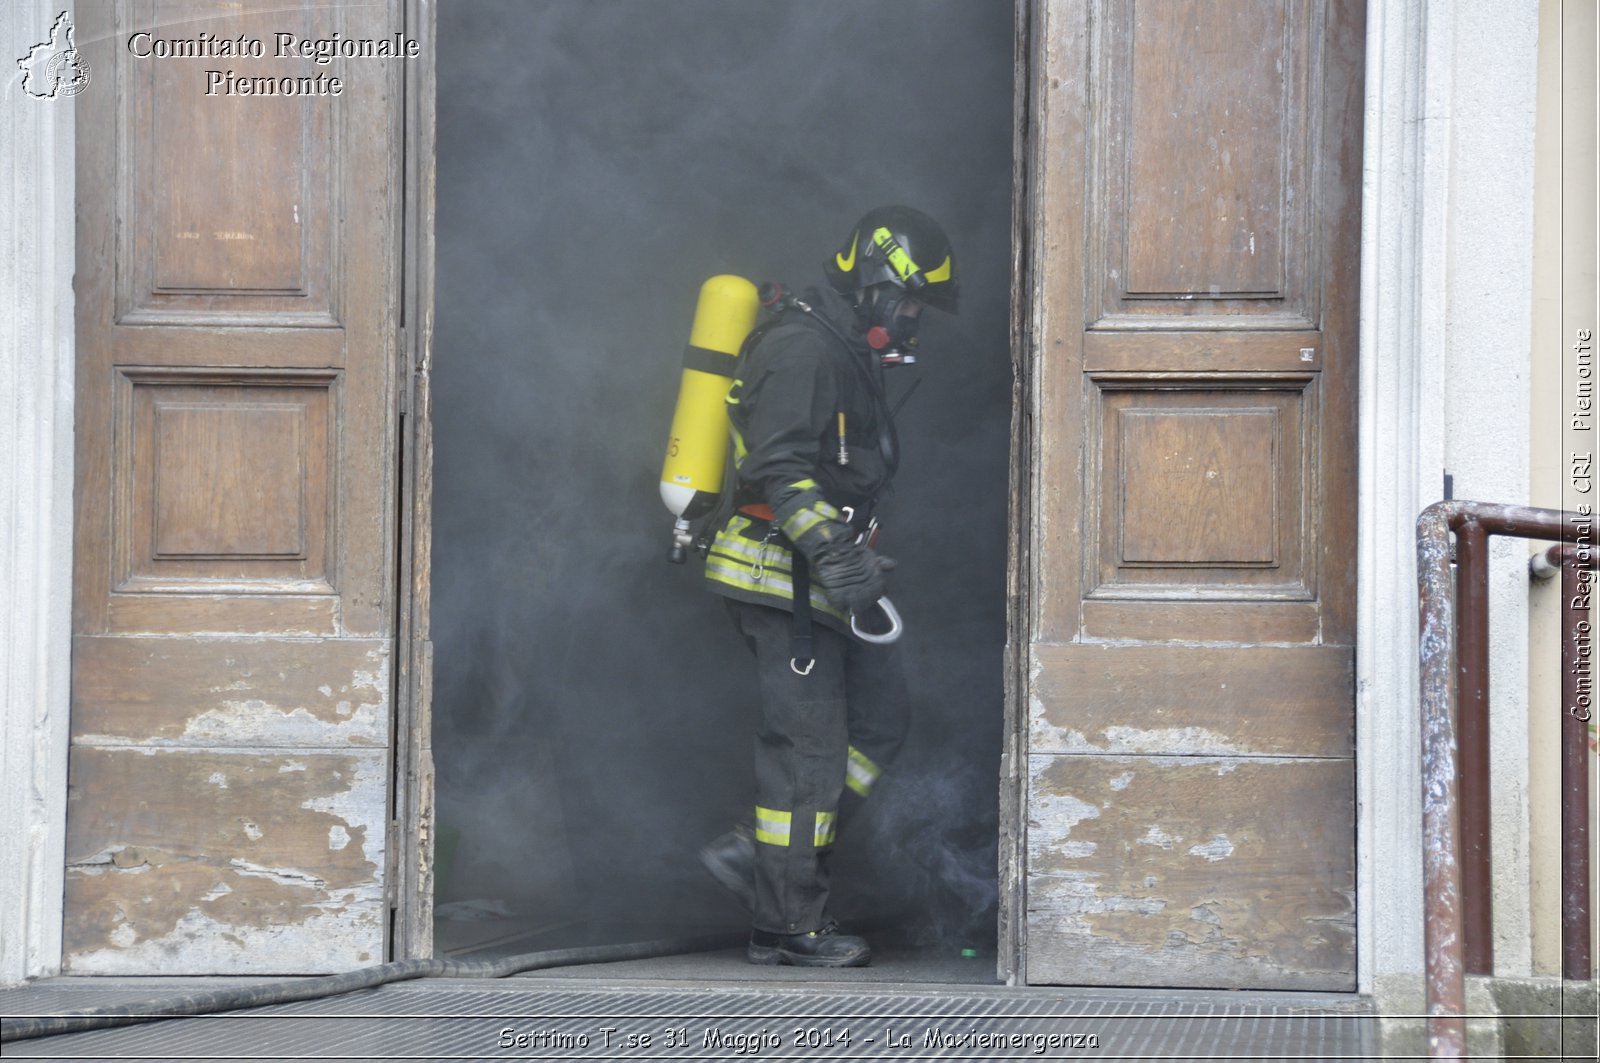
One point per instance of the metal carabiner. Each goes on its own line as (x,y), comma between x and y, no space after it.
(895,626)
(794,666)
(758,571)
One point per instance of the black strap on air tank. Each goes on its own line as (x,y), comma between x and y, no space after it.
(706,360)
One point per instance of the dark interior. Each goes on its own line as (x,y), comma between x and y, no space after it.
(593,708)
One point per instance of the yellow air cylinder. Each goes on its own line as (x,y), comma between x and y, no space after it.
(697,448)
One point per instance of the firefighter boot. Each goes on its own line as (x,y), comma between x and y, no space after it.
(731,859)
(820,948)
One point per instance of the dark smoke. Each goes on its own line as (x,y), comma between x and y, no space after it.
(598,159)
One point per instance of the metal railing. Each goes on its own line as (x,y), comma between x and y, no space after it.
(1577,699)
(1457,917)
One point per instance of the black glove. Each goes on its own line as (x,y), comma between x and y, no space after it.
(851,575)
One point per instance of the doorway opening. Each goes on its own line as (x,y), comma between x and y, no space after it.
(593,707)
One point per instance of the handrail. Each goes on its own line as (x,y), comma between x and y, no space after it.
(1441,831)
(1577,699)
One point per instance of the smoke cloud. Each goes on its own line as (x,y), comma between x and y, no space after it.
(598,159)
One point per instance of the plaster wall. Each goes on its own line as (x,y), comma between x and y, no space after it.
(36,382)
(1446,313)
(1564,301)
(1486,268)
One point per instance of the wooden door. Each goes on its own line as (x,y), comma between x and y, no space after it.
(235,575)
(1187,784)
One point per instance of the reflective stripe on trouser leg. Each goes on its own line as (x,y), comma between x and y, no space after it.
(880,714)
(826,830)
(861,772)
(772,826)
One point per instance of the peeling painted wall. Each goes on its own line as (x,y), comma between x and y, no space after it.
(228,809)
(1206,871)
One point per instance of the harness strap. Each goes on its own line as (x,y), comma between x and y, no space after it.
(800,641)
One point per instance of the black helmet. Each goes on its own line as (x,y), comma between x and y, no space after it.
(898,246)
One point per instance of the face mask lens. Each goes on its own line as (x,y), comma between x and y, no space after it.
(904,317)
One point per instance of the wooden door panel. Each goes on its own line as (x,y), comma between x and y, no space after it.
(189,860)
(1192,645)
(230,693)
(1214,872)
(234,585)
(199,250)
(1193,701)
(1204,489)
(1260,623)
(227,480)
(1200,483)
(1203,163)
(1214,351)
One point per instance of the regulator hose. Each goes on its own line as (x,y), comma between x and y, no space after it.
(211,1001)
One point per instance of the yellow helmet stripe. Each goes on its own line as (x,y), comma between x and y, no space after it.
(848,265)
(942,273)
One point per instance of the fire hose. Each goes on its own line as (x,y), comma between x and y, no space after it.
(209,1002)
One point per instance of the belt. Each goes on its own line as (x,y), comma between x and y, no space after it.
(762,511)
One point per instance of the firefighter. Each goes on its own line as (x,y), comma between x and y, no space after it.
(814,447)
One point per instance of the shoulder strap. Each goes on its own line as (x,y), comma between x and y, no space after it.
(888,438)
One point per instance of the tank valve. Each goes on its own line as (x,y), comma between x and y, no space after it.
(680,542)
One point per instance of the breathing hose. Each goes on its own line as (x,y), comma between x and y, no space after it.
(209,1002)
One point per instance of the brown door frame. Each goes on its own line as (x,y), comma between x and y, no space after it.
(411,876)
(1011,931)
(413,847)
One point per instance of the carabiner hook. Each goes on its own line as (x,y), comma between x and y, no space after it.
(794,666)
(895,626)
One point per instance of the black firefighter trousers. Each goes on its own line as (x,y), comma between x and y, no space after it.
(823,740)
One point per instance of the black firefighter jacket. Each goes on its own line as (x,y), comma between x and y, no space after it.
(813,444)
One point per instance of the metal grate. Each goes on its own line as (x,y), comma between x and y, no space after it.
(454,1020)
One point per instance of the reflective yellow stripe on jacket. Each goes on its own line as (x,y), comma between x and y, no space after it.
(760,571)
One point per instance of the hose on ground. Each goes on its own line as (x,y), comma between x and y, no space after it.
(211,1001)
